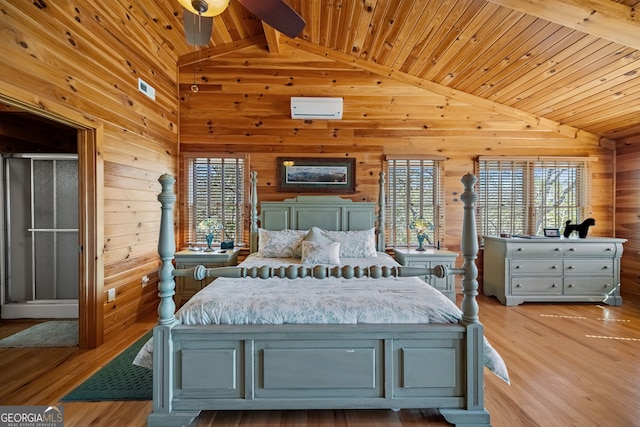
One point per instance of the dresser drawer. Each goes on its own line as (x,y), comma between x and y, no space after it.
(588,285)
(589,249)
(535,250)
(536,266)
(598,267)
(536,286)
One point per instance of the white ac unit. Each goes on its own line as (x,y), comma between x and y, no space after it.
(303,107)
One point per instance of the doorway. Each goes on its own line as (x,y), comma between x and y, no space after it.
(86,140)
(41,242)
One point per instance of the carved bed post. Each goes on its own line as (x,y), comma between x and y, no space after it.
(253,231)
(469,248)
(163,355)
(166,250)
(474,412)
(381,213)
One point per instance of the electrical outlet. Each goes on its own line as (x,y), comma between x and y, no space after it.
(145,281)
(111,295)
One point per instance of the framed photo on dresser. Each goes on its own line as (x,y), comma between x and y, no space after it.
(551,232)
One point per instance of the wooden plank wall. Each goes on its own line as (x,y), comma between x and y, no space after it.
(628,212)
(242,106)
(82,59)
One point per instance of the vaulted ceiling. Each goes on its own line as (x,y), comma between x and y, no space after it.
(571,62)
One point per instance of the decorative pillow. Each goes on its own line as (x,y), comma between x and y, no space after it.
(316,235)
(353,244)
(320,253)
(280,243)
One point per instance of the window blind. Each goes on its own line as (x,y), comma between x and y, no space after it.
(524,196)
(414,190)
(216,190)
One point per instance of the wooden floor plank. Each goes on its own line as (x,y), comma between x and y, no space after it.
(570,364)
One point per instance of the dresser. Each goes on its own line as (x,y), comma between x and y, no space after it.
(429,258)
(186,287)
(517,269)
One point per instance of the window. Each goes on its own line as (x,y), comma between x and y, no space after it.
(414,190)
(525,196)
(216,190)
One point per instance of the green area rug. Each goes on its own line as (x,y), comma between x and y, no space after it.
(56,333)
(120,379)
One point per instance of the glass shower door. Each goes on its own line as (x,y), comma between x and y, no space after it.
(42,237)
(55,229)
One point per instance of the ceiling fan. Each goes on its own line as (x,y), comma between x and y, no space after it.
(198,17)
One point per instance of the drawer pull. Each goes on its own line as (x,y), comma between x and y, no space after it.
(557,249)
(570,267)
(572,249)
(571,285)
(554,267)
(606,267)
(608,249)
(520,249)
(608,285)
(519,285)
(555,285)
(518,267)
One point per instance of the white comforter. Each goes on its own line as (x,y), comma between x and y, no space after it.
(320,301)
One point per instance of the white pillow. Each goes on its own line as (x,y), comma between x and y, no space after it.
(316,235)
(320,253)
(353,244)
(280,243)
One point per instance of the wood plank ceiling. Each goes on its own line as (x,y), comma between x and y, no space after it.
(573,62)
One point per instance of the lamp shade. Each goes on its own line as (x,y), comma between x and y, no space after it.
(205,7)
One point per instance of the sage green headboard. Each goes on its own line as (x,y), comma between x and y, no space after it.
(326,212)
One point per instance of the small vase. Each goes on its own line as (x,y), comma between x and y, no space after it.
(209,238)
(420,242)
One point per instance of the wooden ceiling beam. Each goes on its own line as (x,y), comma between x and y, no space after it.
(607,19)
(212,52)
(273,38)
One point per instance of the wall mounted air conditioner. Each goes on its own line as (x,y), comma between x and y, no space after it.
(316,108)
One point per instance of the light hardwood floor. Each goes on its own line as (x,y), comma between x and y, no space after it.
(570,365)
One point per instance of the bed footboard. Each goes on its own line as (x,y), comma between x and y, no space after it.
(266,367)
(318,367)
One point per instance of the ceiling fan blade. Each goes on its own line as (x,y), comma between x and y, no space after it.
(197,29)
(277,14)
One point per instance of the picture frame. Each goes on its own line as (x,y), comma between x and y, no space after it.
(552,232)
(316,175)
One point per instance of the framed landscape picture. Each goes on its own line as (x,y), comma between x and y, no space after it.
(319,175)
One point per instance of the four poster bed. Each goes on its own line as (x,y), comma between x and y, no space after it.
(318,317)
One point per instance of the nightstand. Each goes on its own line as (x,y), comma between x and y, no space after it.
(186,287)
(429,258)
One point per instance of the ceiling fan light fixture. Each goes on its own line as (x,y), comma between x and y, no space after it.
(205,7)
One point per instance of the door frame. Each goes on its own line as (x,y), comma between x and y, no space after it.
(90,214)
